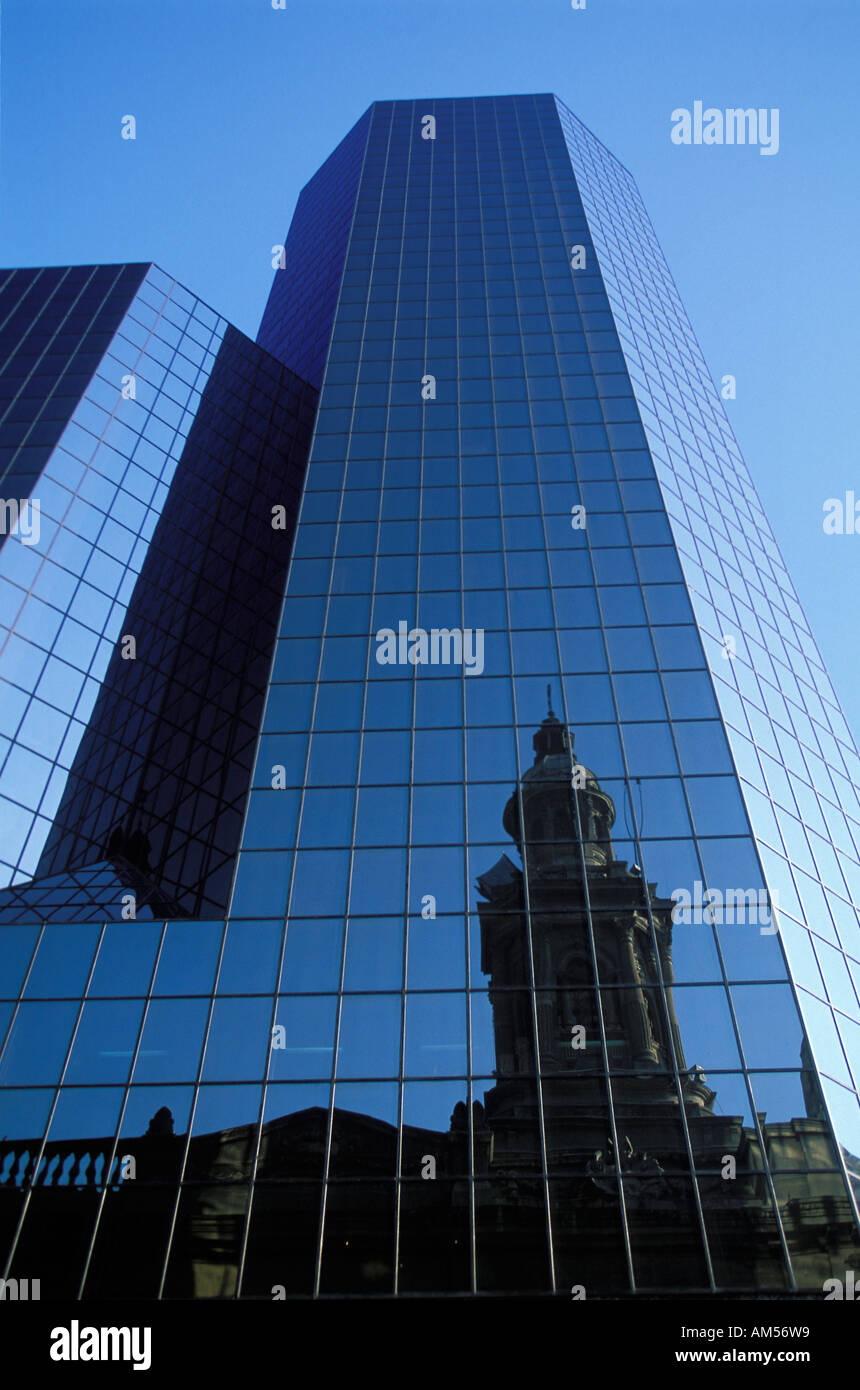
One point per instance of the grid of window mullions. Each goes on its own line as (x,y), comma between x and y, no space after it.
(98,659)
(535,1016)
(632,268)
(117,1146)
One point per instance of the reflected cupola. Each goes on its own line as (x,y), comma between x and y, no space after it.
(563,806)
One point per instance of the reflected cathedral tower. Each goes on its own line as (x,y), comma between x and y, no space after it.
(597,942)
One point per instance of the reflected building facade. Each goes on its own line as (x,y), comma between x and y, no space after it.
(455,1032)
(590,1095)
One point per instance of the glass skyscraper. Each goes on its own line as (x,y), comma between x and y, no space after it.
(454,891)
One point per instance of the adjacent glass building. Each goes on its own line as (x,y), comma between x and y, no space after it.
(494,928)
(146,435)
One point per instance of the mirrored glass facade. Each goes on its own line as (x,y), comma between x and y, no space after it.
(796,758)
(511,995)
(143,603)
(56,326)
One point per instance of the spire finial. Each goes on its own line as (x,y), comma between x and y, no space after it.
(549,697)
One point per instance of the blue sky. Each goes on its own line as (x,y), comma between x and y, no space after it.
(237,104)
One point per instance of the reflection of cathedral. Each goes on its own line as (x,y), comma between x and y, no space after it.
(618,971)
(587,933)
(572,874)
